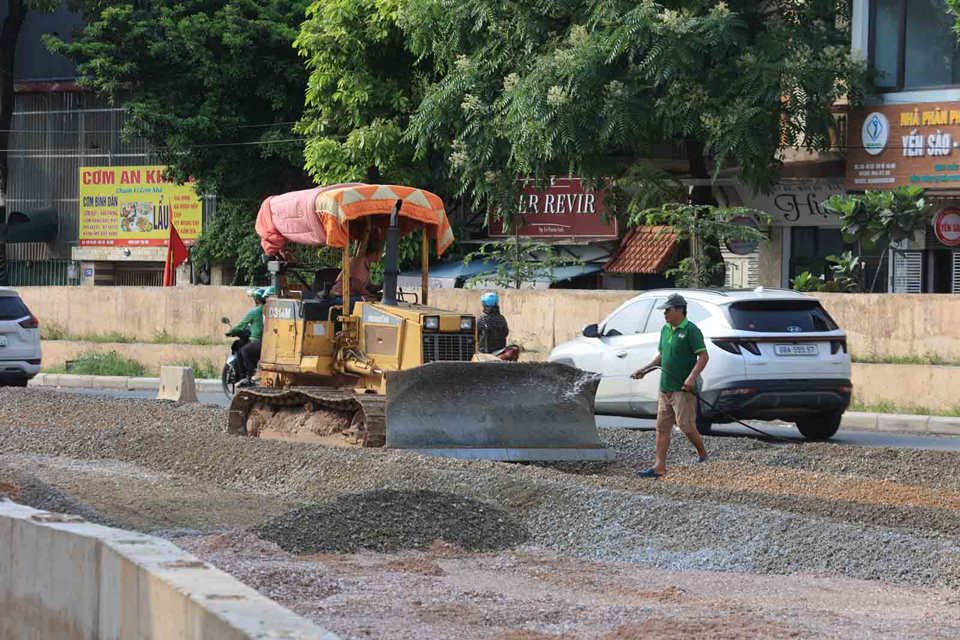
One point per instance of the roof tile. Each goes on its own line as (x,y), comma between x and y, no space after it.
(644,250)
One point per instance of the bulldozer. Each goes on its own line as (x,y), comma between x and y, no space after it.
(394,372)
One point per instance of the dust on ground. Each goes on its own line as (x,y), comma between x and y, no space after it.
(767,540)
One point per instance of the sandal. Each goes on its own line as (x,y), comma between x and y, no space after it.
(649,473)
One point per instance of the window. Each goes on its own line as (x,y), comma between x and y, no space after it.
(628,320)
(695,313)
(781,316)
(809,248)
(912,44)
(12,308)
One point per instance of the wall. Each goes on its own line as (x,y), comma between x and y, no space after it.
(65,578)
(878,325)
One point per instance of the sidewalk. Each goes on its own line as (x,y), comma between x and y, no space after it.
(892,422)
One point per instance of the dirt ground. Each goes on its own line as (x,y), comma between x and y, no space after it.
(765,541)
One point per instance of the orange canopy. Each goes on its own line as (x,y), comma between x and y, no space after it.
(321,216)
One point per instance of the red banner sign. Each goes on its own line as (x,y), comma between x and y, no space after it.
(947,226)
(566,209)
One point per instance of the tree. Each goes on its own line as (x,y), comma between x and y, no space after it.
(215,87)
(592,86)
(702,225)
(16,13)
(867,218)
(516,261)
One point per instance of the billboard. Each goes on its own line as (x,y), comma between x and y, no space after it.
(566,209)
(133,207)
(915,144)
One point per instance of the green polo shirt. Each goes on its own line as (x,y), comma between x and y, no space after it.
(679,347)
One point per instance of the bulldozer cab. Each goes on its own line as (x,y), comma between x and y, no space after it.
(323,328)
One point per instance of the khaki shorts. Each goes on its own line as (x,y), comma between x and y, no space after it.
(677,408)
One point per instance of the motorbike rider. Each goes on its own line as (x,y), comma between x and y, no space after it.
(492,329)
(253,321)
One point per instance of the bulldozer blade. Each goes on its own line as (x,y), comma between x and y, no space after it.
(495,411)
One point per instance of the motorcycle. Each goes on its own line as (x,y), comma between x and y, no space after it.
(233,370)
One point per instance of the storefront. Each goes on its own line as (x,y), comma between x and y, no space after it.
(802,235)
(914,144)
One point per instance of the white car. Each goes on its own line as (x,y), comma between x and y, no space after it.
(19,340)
(774,355)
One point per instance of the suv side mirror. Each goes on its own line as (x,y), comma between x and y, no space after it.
(590,331)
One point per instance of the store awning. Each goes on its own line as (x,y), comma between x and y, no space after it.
(41,226)
(447,275)
(644,250)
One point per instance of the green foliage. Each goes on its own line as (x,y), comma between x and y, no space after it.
(202,369)
(364,83)
(805,281)
(897,214)
(231,237)
(214,86)
(105,363)
(706,227)
(162,337)
(846,271)
(516,261)
(590,86)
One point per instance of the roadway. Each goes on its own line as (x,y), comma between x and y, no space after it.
(856,437)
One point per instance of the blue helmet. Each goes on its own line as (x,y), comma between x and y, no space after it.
(489,299)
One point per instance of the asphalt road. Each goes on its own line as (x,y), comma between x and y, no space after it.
(778,430)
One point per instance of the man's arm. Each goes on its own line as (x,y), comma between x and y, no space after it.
(691,382)
(639,373)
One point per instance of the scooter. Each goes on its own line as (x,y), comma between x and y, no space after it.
(233,369)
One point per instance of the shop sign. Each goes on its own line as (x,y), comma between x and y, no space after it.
(906,144)
(565,209)
(134,206)
(946,226)
(795,202)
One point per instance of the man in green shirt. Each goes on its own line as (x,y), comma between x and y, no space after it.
(681,358)
(253,321)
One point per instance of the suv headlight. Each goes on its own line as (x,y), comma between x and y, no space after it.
(466,323)
(431,323)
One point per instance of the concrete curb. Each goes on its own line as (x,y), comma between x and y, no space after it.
(65,577)
(70,380)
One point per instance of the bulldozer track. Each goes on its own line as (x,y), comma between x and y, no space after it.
(372,407)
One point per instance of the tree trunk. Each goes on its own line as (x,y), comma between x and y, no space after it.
(701,251)
(9,33)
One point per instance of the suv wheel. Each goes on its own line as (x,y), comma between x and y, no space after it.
(15,382)
(820,426)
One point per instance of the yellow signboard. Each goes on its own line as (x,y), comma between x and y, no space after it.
(133,206)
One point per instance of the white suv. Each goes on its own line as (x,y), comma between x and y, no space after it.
(19,340)
(774,355)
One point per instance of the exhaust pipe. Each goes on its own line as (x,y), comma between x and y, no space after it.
(390,268)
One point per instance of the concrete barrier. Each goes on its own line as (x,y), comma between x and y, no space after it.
(176,383)
(64,578)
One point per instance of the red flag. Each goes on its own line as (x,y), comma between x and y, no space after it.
(177,254)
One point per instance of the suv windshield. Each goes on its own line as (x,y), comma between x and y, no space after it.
(12,308)
(781,316)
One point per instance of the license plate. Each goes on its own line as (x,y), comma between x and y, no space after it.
(3,341)
(796,349)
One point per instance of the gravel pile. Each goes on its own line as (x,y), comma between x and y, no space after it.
(692,520)
(390,520)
